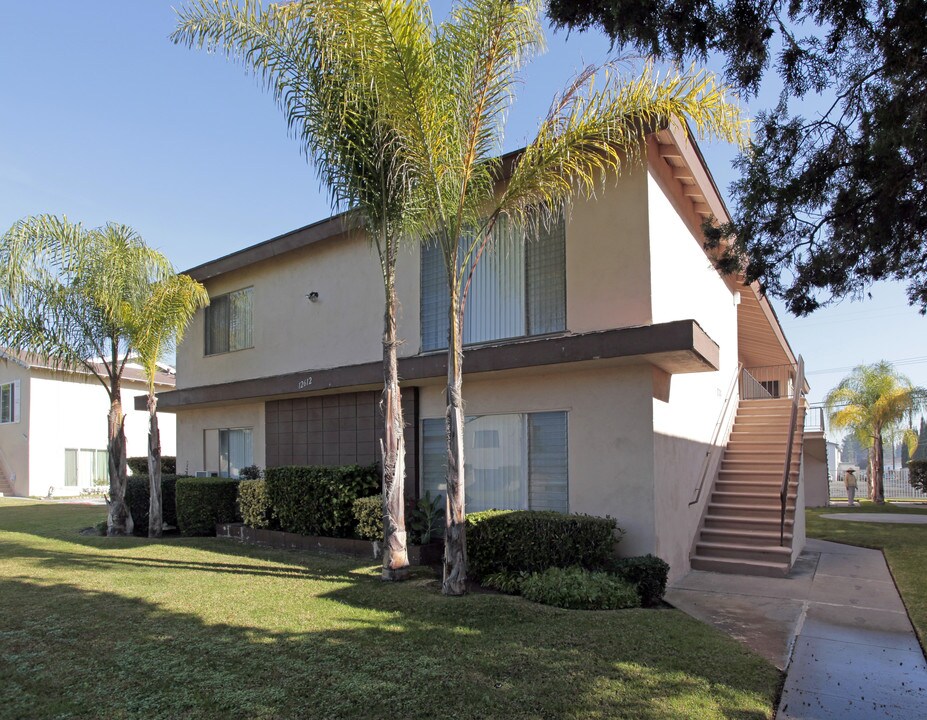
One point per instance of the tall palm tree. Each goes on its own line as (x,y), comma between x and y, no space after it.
(156,327)
(67,294)
(301,52)
(868,402)
(444,91)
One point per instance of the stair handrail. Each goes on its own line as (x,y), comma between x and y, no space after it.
(713,443)
(789,443)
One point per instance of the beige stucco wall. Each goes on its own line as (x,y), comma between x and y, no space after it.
(610,443)
(815,470)
(685,285)
(192,427)
(14,437)
(343,327)
(68,411)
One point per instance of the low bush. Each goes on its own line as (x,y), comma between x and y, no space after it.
(139,465)
(533,541)
(319,500)
(203,502)
(647,573)
(507,582)
(578,589)
(254,504)
(917,474)
(138,498)
(368,512)
(250,472)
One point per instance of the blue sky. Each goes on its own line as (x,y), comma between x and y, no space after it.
(103,118)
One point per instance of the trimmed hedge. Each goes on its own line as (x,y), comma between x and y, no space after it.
(254,504)
(917,476)
(647,573)
(533,541)
(203,502)
(368,512)
(138,497)
(139,465)
(578,589)
(319,500)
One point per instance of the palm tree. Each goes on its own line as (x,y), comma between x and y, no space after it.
(868,402)
(67,294)
(444,90)
(156,329)
(300,52)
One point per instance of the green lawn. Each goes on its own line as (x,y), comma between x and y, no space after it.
(206,628)
(904,546)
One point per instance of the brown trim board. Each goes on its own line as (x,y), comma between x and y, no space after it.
(675,347)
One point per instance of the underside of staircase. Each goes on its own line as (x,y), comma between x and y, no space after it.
(741,529)
(6,487)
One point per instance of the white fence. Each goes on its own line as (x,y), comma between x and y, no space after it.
(897,487)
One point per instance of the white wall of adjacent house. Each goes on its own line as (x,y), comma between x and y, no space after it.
(68,430)
(685,286)
(14,435)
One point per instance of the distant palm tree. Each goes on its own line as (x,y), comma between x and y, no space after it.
(156,327)
(68,294)
(868,402)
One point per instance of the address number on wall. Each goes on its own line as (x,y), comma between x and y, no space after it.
(304,383)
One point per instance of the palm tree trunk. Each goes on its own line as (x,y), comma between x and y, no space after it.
(119,520)
(878,475)
(155,513)
(455,538)
(395,554)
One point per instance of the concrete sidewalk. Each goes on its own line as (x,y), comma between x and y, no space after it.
(836,625)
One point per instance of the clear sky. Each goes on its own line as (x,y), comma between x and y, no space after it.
(102,118)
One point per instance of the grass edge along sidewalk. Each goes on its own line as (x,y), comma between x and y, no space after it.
(209,628)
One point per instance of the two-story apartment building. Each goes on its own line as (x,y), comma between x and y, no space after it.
(601,368)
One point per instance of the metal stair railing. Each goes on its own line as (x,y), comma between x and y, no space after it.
(789,444)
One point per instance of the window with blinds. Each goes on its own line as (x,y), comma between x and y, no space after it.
(518,289)
(228,322)
(511,462)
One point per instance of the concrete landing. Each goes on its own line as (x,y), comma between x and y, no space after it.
(836,625)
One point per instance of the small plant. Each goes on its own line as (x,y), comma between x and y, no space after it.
(250,472)
(507,582)
(100,527)
(427,521)
(647,573)
(578,589)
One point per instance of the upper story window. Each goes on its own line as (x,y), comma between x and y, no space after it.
(9,402)
(518,289)
(228,322)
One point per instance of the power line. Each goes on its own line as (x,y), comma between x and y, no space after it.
(901,361)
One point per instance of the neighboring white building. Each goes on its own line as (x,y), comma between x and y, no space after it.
(53,425)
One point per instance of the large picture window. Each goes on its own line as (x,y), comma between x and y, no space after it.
(83,468)
(518,289)
(9,402)
(228,322)
(511,462)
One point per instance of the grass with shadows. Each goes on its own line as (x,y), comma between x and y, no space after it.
(208,628)
(904,546)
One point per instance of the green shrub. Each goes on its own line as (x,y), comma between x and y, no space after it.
(138,496)
(579,589)
(139,465)
(533,541)
(917,470)
(368,512)
(254,504)
(426,520)
(250,472)
(507,582)
(646,572)
(319,500)
(203,502)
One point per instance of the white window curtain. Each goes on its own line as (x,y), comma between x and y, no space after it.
(496,298)
(70,468)
(9,402)
(229,322)
(235,451)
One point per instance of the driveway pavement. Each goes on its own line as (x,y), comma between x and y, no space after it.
(836,625)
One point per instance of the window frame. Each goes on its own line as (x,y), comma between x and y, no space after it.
(227,472)
(228,329)
(13,388)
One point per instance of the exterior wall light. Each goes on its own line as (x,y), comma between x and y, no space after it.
(312,297)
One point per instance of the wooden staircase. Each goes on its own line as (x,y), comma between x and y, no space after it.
(740,533)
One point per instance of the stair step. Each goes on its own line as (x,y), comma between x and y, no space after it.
(727,498)
(733,509)
(740,567)
(751,537)
(734,551)
(738,522)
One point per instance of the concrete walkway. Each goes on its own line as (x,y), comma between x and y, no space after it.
(911,519)
(837,625)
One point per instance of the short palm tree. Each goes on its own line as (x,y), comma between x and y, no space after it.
(299,50)
(869,401)
(68,294)
(444,90)
(156,329)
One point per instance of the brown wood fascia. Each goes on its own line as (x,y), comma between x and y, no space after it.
(680,346)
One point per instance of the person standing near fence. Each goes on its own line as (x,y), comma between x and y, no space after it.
(849,480)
